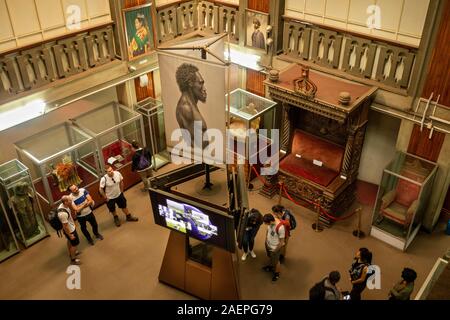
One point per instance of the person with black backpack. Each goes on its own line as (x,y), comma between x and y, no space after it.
(142,163)
(68,227)
(290,224)
(326,289)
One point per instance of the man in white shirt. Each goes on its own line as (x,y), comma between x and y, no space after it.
(65,211)
(274,243)
(83,203)
(111,188)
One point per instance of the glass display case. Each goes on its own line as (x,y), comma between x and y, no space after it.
(58,157)
(250,111)
(8,242)
(23,212)
(402,199)
(113,128)
(152,112)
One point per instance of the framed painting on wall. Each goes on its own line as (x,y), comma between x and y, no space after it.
(256,24)
(139,33)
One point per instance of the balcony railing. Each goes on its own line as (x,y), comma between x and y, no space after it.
(184,17)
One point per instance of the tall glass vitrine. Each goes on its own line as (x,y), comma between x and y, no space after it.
(19,202)
(153,115)
(113,127)
(250,112)
(402,199)
(57,158)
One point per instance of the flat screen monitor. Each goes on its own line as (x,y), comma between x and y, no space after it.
(195,219)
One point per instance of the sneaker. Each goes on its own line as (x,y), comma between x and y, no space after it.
(117,221)
(132,218)
(267,268)
(276,276)
(77,253)
(244,256)
(76,261)
(99,236)
(253,254)
(91,242)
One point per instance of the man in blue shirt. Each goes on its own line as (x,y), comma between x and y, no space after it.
(83,203)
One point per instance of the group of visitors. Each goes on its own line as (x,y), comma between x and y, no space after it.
(360,272)
(280,222)
(78,205)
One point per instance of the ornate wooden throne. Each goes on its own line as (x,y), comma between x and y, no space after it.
(322,132)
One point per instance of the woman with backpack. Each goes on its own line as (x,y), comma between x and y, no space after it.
(254,221)
(142,163)
(359,272)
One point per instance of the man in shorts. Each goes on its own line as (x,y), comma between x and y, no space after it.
(65,211)
(111,188)
(274,243)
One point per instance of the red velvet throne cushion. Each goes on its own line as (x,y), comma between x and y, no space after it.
(406,192)
(311,148)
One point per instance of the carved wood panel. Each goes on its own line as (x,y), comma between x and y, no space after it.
(438,76)
(255,82)
(133,3)
(259,5)
(147,91)
(421,146)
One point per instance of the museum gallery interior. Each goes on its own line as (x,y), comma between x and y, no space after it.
(335,111)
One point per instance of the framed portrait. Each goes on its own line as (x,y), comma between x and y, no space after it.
(256,25)
(139,31)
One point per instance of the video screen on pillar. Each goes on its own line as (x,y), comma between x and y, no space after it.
(195,220)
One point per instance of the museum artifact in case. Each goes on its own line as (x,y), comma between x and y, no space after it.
(152,111)
(402,199)
(58,157)
(250,111)
(113,127)
(8,242)
(19,202)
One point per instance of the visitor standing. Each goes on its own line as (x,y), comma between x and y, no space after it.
(290,224)
(254,221)
(142,163)
(274,243)
(65,211)
(83,203)
(403,289)
(111,188)
(359,272)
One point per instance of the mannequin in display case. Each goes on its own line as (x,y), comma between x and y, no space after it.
(22,202)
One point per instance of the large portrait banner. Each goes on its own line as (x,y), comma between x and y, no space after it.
(192,92)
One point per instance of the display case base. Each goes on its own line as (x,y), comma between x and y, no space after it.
(218,282)
(5,254)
